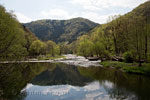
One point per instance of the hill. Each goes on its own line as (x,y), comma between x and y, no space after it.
(60,30)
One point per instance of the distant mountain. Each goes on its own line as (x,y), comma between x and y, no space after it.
(60,30)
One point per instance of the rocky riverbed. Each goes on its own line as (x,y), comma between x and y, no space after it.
(68,59)
(78,61)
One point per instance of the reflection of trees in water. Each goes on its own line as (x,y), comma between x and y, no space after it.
(120,93)
(21,96)
(61,74)
(123,85)
(14,77)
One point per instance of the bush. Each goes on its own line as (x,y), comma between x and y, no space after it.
(107,55)
(128,57)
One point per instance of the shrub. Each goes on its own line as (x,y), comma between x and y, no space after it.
(128,57)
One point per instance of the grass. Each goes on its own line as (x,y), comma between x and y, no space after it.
(128,67)
(49,57)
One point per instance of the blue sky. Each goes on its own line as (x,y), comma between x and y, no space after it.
(95,10)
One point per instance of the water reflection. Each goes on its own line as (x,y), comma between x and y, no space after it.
(61,74)
(49,81)
(91,91)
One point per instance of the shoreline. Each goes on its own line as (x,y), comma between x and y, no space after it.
(70,59)
(131,68)
(67,59)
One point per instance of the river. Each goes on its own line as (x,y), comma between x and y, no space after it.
(65,80)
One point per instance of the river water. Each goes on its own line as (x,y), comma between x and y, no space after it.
(60,81)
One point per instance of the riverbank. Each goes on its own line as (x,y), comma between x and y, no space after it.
(79,61)
(67,59)
(50,57)
(128,67)
(36,59)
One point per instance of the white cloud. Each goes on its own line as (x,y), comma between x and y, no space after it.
(56,91)
(108,84)
(22,18)
(97,17)
(55,14)
(95,10)
(27,87)
(59,90)
(102,4)
(93,95)
(92,87)
(62,14)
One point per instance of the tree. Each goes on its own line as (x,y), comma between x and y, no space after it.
(12,39)
(85,46)
(29,37)
(51,47)
(102,40)
(116,32)
(138,37)
(63,48)
(37,48)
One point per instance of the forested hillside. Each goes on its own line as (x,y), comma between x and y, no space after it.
(12,36)
(125,36)
(60,30)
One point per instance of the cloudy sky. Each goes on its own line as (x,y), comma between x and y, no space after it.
(95,10)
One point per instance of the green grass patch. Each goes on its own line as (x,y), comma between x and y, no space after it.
(50,57)
(128,67)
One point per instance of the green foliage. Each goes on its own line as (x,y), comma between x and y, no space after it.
(30,37)
(50,57)
(115,64)
(37,48)
(60,30)
(128,67)
(121,35)
(85,46)
(44,49)
(52,48)
(128,57)
(12,39)
(95,44)
(99,48)
(64,48)
(138,70)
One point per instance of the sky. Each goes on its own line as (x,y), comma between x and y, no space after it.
(94,10)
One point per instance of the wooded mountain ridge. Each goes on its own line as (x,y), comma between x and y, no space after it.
(61,30)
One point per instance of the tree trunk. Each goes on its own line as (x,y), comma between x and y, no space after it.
(115,44)
(140,63)
(146,47)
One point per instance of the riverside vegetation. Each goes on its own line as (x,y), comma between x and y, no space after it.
(123,38)
(17,42)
